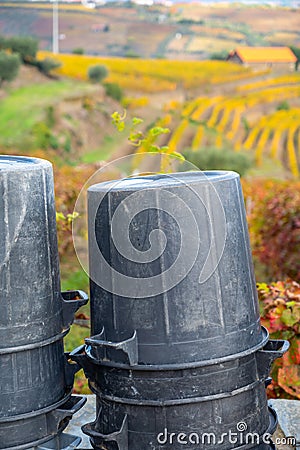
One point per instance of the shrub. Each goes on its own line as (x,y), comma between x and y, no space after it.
(296,51)
(280,314)
(42,135)
(68,183)
(97,73)
(47,65)
(26,47)
(283,106)
(114,91)
(78,51)
(9,66)
(273,210)
(221,159)
(219,56)
(131,54)
(3,43)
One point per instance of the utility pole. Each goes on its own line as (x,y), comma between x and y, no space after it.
(55,32)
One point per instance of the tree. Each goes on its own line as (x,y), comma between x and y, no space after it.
(78,51)
(114,91)
(212,158)
(9,66)
(296,51)
(26,47)
(97,73)
(47,65)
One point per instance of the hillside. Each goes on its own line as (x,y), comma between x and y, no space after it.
(205,105)
(61,118)
(184,31)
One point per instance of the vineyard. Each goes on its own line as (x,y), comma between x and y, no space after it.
(263,121)
(259,112)
(150,76)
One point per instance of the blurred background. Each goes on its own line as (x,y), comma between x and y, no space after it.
(222,77)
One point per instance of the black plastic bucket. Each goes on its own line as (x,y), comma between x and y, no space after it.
(196,299)
(184,353)
(34,428)
(35,375)
(133,426)
(148,384)
(31,304)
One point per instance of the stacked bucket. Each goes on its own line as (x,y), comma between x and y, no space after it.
(36,376)
(177,357)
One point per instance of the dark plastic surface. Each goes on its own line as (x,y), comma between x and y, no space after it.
(144,423)
(159,386)
(191,321)
(29,430)
(31,306)
(35,374)
(32,379)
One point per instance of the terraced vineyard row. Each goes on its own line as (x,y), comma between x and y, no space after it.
(150,76)
(228,122)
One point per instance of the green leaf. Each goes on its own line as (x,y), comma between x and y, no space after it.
(288,318)
(154,149)
(290,304)
(262,287)
(157,131)
(60,216)
(137,121)
(178,155)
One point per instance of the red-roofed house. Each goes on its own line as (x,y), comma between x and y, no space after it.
(279,58)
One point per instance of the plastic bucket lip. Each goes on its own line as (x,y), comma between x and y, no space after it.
(176,402)
(37,412)
(176,179)
(26,347)
(192,365)
(76,441)
(16,163)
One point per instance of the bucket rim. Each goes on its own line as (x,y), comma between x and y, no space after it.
(190,365)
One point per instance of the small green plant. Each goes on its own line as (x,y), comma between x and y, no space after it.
(97,73)
(9,66)
(146,140)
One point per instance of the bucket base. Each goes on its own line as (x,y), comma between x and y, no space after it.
(62,442)
(33,430)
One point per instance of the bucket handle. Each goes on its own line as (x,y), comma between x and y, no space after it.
(72,365)
(97,348)
(79,356)
(120,437)
(64,413)
(71,302)
(266,356)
